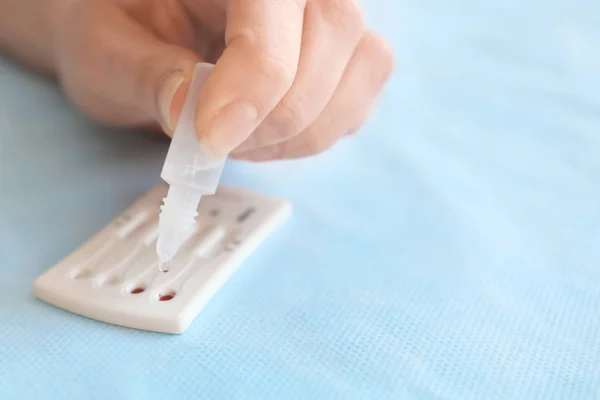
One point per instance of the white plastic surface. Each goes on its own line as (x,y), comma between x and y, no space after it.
(189,170)
(188,164)
(115,278)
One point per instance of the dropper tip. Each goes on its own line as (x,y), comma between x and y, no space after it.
(164,259)
(163,255)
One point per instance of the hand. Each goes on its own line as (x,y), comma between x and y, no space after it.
(292,77)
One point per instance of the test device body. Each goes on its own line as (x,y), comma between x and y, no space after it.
(114,277)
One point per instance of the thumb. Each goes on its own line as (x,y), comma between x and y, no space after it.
(131,71)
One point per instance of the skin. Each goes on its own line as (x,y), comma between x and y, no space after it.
(292,77)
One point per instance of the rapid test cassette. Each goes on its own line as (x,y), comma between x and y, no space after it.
(115,276)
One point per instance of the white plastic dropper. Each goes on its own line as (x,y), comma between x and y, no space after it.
(191,173)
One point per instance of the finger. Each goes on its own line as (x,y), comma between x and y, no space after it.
(130,75)
(349,107)
(255,71)
(332,30)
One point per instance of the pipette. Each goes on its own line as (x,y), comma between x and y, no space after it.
(191,173)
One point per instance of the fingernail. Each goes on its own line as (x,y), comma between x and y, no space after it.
(230,127)
(165,100)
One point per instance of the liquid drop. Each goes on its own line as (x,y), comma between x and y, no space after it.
(164,266)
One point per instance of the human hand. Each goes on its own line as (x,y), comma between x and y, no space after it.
(292,77)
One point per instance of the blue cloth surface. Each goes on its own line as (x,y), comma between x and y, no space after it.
(455,256)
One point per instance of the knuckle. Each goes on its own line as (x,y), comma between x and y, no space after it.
(280,73)
(269,60)
(288,119)
(346,16)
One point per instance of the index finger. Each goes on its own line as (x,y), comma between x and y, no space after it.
(256,69)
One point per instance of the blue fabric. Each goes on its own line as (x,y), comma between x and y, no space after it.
(455,257)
